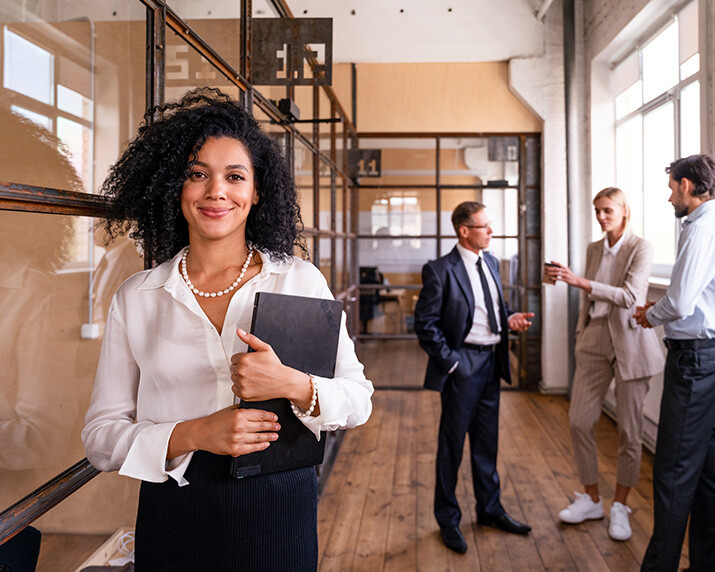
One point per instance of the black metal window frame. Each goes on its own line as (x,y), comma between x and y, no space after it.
(527,340)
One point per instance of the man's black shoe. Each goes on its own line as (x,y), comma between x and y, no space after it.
(453,539)
(504,522)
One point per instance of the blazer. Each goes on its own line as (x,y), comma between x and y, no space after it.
(444,314)
(638,352)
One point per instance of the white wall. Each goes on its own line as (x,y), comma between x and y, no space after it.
(539,82)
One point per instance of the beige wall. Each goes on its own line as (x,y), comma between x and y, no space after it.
(444,97)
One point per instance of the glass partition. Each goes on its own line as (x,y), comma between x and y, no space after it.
(303,99)
(396,212)
(272,128)
(404,161)
(325,263)
(186,69)
(447,244)
(72,96)
(404,221)
(217,23)
(75,78)
(57,281)
(303,172)
(325,219)
(340,218)
(468,161)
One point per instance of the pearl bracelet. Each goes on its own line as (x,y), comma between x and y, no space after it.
(313,400)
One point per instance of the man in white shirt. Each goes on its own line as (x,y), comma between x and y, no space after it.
(462,322)
(684,464)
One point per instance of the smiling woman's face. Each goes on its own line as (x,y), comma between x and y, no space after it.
(219,191)
(609,214)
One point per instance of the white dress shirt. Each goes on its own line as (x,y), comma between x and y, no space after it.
(604,275)
(688,308)
(162,362)
(480,333)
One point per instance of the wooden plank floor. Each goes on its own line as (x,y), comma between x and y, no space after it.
(376,510)
(393,363)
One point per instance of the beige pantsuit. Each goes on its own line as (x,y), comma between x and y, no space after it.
(595,368)
(614,347)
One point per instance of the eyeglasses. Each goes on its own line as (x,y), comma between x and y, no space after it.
(484,226)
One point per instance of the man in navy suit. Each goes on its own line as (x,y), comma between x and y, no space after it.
(462,323)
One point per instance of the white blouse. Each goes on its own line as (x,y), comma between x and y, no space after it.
(604,275)
(162,362)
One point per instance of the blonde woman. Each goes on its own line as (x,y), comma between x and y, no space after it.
(610,345)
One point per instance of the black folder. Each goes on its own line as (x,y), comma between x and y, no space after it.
(304,334)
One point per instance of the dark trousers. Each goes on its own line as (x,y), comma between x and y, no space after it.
(470,405)
(684,464)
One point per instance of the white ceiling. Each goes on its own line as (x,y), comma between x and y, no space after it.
(363,30)
(428,30)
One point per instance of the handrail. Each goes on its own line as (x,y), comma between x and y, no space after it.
(42,499)
(20,197)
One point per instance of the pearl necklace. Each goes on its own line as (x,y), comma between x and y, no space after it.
(195,290)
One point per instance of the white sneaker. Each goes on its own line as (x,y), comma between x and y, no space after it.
(620,528)
(583,508)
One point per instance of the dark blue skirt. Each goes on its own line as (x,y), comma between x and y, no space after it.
(218,523)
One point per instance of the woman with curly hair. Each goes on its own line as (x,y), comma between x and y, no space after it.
(209,197)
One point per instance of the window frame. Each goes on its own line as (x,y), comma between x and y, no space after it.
(670,95)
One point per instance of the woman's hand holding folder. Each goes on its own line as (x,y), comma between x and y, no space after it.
(259,375)
(229,431)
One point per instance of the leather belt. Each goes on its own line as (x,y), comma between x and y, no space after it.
(697,344)
(478,348)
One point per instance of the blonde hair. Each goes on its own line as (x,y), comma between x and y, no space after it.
(619,197)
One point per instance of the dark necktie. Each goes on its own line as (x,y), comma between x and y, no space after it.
(487,297)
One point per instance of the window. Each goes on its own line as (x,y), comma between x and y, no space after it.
(39,80)
(52,90)
(396,215)
(28,69)
(656,98)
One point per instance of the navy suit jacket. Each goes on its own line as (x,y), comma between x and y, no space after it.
(444,315)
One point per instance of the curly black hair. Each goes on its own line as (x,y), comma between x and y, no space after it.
(145,184)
